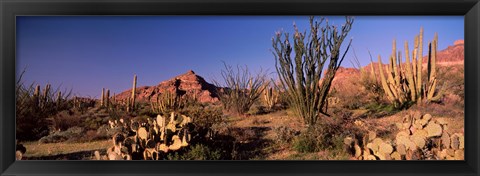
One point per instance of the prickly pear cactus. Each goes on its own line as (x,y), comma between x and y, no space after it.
(153,140)
(410,143)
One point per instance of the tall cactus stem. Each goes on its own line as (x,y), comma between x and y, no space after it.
(134,89)
(102,100)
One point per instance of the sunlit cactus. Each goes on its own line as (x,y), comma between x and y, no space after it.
(403,84)
(270,97)
(134,89)
(150,141)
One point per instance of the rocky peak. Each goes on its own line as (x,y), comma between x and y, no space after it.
(458,42)
(188,84)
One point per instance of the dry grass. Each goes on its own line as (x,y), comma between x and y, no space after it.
(35,149)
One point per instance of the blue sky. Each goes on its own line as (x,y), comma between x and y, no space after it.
(88,53)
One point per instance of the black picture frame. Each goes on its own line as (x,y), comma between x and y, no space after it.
(11,8)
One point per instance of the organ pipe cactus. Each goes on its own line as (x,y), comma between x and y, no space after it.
(131,105)
(270,96)
(107,98)
(102,100)
(166,102)
(403,81)
(37,91)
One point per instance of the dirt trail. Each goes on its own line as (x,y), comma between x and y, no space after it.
(257,135)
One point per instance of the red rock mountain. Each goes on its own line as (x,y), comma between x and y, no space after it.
(188,83)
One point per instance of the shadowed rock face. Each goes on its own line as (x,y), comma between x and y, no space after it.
(188,83)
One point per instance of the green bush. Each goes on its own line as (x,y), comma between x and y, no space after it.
(379,109)
(257,110)
(305,143)
(324,136)
(196,152)
(284,135)
(203,116)
(202,152)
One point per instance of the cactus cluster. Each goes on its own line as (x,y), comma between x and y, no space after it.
(41,100)
(152,140)
(403,82)
(167,102)
(105,98)
(420,138)
(270,96)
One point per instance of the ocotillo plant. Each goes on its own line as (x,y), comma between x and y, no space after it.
(300,76)
(403,84)
(242,88)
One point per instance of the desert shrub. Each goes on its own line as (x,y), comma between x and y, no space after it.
(116,113)
(147,112)
(70,134)
(326,134)
(453,100)
(305,143)
(300,76)
(94,122)
(105,132)
(33,108)
(196,152)
(241,88)
(284,135)
(257,110)
(204,116)
(65,120)
(201,152)
(454,81)
(382,109)
(337,150)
